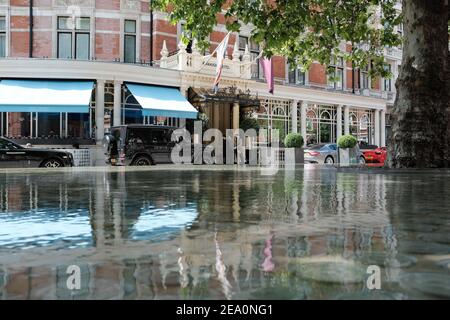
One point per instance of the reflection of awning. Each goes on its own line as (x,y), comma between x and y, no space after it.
(161,101)
(45,96)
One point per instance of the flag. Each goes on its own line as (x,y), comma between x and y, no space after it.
(221,51)
(267,66)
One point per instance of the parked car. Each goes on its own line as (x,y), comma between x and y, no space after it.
(321,153)
(377,155)
(13,155)
(138,145)
(325,153)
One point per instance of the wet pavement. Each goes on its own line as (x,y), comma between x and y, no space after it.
(224,233)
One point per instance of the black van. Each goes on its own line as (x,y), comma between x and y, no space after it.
(138,145)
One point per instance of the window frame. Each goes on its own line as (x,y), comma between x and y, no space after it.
(253,52)
(388,80)
(132,35)
(337,66)
(296,73)
(364,75)
(74,33)
(3,34)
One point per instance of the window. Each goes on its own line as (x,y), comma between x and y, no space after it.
(49,125)
(2,37)
(18,124)
(73,38)
(400,29)
(364,74)
(160,137)
(387,83)
(296,76)
(139,135)
(78,125)
(182,31)
(3,144)
(338,67)
(254,53)
(130,41)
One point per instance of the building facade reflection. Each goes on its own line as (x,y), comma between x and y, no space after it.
(187,234)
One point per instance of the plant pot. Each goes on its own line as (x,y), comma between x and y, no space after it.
(348,156)
(293,156)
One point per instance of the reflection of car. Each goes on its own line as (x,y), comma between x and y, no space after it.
(321,153)
(325,153)
(377,155)
(138,145)
(14,156)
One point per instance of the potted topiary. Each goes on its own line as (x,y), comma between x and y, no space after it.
(249,123)
(348,150)
(293,152)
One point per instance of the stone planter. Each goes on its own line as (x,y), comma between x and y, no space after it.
(348,157)
(293,156)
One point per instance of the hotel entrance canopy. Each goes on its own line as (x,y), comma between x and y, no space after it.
(162,101)
(45,96)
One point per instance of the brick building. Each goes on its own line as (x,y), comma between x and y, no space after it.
(111,44)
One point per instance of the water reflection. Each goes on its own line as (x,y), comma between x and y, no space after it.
(224,234)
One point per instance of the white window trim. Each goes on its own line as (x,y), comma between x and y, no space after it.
(85,13)
(136,18)
(287,69)
(248,36)
(369,80)
(332,84)
(5,13)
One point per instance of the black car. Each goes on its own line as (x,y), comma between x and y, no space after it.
(13,155)
(138,145)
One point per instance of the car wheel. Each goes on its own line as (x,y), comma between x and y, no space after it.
(142,162)
(362,160)
(52,163)
(329,160)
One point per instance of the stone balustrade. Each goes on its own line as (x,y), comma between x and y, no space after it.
(197,63)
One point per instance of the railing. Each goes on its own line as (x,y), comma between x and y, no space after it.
(394,53)
(81,157)
(195,62)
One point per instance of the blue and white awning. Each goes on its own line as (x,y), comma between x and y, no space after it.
(45,96)
(161,101)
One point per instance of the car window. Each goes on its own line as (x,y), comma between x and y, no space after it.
(140,135)
(160,136)
(5,144)
(332,147)
(316,147)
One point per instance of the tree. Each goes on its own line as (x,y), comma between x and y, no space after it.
(314,30)
(302,31)
(420,132)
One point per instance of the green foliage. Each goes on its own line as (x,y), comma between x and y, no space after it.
(293,140)
(249,123)
(347,142)
(299,30)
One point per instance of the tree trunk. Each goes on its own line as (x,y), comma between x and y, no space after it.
(420,131)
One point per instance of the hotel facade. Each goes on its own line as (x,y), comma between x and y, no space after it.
(72,64)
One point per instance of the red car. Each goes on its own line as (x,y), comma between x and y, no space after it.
(377,155)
